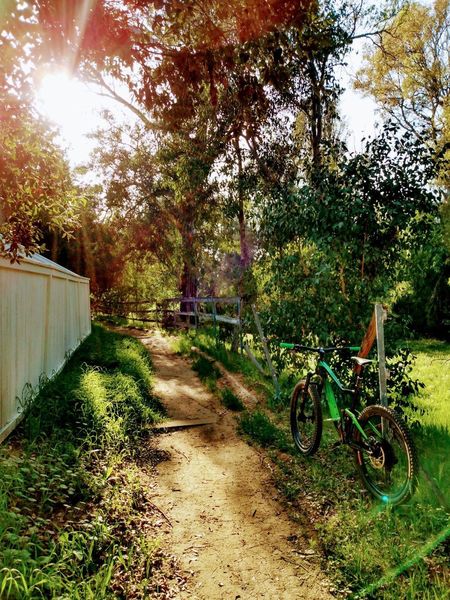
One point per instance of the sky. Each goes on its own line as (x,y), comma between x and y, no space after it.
(75,108)
(358,112)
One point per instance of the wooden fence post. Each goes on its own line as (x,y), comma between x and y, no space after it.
(215,322)
(239,312)
(266,350)
(380,318)
(196,313)
(375,331)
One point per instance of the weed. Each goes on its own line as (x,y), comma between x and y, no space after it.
(205,368)
(230,400)
(260,428)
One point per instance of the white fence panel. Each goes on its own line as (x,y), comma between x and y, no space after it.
(44,316)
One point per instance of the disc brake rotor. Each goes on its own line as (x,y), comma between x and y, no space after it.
(383,456)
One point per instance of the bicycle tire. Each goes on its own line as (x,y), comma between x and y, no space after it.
(389,473)
(304,410)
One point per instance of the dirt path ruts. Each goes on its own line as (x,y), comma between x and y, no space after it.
(228,527)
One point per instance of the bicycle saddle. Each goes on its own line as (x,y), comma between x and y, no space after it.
(361,362)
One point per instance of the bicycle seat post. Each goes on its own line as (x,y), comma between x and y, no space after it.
(358,382)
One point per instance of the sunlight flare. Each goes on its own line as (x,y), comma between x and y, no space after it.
(62,99)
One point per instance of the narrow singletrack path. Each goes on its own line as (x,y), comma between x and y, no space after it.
(228,527)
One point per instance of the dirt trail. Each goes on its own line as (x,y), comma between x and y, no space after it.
(227,526)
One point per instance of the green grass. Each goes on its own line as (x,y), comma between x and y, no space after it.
(367,549)
(230,400)
(258,426)
(205,368)
(236,363)
(207,371)
(122,322)
(70,493)
(432,367)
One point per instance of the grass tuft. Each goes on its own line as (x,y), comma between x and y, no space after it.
(230,400)
(260,428)
(205,368)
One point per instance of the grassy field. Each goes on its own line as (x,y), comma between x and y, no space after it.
(75,516)
(432,367)
(369,550)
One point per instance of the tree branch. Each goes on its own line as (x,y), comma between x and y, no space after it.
(97,78)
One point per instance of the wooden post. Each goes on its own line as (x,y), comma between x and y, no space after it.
(241,340)
(380,318)
(367,342)
(236,341)
(375,331)
(253,358)
(195,313)
(215,321)
(266,350)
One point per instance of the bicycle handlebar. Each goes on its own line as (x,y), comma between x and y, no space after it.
(300,348)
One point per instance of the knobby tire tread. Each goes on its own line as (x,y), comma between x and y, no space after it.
(296,398)
(389,413)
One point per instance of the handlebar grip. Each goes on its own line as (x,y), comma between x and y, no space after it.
(287,345)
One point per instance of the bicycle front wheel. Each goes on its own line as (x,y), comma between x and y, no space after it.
(306,418)
(388,467)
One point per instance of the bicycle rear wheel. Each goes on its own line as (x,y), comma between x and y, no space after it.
(388,467)
(306,418)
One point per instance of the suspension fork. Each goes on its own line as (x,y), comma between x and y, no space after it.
(308,378)
(305,389)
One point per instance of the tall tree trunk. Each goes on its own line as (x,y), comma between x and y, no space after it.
(246,287)
(188,287)
(189,280)
(316,117)
(243,239)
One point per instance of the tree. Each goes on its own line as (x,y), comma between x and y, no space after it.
(408,71)
(338,246)
(185,61)
(408,74)
(160,190)
(213,79)
(35,186)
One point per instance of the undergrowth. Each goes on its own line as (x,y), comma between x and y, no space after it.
(205,340)
(75,516)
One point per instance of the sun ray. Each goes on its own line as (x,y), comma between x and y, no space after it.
(81,22)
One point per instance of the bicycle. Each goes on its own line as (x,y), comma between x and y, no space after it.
(385,455)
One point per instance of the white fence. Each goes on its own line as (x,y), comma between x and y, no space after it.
(44,316)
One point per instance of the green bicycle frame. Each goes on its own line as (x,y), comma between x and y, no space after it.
(331,398)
